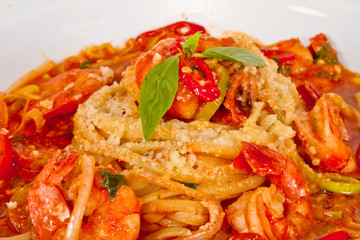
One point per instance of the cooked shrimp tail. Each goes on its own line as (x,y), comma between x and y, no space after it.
(281,211)
(47,206)
(112,216)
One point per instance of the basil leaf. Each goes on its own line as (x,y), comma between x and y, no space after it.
(112,182)
(233,54)
(157,93)
(190,44)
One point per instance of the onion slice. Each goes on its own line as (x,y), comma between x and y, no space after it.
(330,181)
(88,170)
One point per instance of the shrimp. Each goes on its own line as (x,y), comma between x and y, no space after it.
(62,94)
(53,98)
(51,108)
(281,211)
(317,63)
(50,213)
(47,206)
(186,102)
(241,94)
(323,134)
(115,219)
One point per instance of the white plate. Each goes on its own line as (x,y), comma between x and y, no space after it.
(31,31)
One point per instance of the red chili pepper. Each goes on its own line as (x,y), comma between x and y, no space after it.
(6,156)
(148,39)
(195,74)
(309,94)
(340,235)
(200,79)
(279,56)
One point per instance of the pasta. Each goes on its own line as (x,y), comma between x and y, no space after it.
(182,135)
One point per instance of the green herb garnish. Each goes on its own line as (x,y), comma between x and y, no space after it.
(325,53)
(160,84)
(190,45)
(157,93)
(284,69)
(85,64)
(233,54)
(112,182)
(324,74)
(191,185)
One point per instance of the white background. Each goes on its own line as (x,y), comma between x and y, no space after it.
(31,31)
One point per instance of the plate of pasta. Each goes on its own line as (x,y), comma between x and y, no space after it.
(186,126)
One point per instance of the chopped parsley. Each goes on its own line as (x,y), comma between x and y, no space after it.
(284,69)
(112,183)
(85,64)
(324,74)
(326,54)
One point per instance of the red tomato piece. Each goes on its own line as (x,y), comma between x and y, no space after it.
(6,156)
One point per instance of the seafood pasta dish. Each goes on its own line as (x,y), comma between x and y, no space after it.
(183,135)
